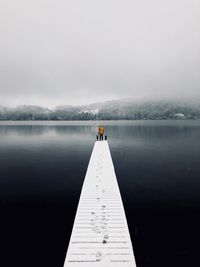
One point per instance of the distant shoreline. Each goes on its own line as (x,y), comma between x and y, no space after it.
(31,122)
(113,110)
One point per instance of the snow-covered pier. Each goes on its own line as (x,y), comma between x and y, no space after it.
(100,235)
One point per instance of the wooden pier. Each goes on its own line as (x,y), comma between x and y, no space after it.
(100,235)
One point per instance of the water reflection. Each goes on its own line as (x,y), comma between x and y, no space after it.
(43,165)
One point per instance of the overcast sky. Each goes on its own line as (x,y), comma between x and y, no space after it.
(55,52)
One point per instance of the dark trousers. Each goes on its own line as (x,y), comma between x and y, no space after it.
(101,137)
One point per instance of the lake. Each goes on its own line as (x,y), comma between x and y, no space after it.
(42,168)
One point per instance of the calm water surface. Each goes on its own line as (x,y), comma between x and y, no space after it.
(42,167)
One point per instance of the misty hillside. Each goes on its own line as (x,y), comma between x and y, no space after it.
(109,110)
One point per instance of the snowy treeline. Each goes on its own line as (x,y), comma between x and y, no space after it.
(110,110)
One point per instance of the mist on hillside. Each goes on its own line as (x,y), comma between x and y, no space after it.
(109,110)
(79,52)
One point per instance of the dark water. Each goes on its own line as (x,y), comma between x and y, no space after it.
(42,167)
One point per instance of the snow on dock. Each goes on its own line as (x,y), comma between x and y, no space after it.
(100,235)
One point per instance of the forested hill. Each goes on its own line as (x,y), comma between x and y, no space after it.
(110,110)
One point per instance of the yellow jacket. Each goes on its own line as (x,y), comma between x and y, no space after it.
(101,130)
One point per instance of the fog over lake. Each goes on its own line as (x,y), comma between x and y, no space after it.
(79,52)
(65,68)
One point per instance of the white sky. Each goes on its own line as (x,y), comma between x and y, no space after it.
(76,52)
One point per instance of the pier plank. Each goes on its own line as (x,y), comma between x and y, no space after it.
(100,235)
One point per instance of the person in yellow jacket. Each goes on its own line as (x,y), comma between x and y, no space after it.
(101,132)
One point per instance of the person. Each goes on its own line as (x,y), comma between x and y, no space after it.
(101,132)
